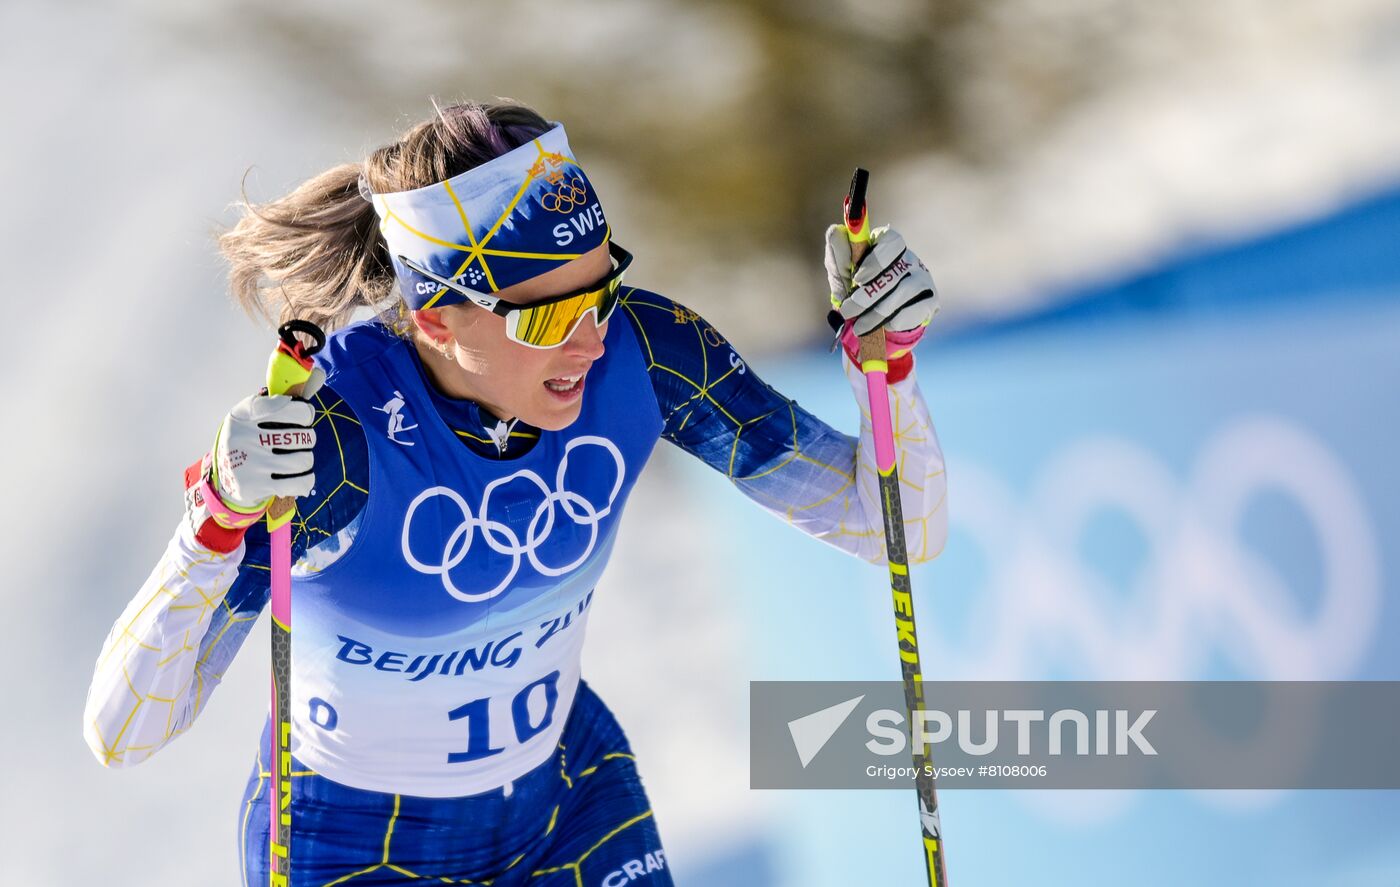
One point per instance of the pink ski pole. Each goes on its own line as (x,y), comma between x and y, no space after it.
(287,371)
(873,363)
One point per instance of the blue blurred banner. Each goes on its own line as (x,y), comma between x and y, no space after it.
(1186,475)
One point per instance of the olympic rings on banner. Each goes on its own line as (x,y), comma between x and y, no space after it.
(500,538)
(1201,587)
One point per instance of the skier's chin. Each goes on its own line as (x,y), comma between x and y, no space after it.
(554,416)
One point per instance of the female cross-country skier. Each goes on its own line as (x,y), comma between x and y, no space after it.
(462,460)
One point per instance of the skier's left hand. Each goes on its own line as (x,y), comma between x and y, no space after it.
(891,287)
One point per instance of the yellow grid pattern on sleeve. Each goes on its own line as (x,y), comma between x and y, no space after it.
(843,495)
(154,704)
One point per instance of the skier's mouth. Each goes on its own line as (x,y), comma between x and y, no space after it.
(565,388)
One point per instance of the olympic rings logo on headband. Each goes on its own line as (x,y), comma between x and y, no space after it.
(570,194)
(501,538)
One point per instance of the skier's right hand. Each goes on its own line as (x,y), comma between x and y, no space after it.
(890,288)
(264,448)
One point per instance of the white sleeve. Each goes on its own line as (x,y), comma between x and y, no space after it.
(826,484)
(166,653)
(923,483)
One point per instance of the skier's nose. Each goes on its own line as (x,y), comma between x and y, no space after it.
(587,338)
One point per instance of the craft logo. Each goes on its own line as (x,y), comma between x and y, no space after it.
(635,869)
(471,279)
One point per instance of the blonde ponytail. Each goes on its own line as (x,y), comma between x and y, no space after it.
(317,254)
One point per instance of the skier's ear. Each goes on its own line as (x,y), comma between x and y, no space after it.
(429,320)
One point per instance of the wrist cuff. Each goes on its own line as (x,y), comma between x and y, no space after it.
(899,350)
(217,526)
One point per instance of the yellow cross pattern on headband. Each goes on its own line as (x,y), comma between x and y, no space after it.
(477,251)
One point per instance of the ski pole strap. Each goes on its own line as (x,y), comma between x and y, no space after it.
(225,515)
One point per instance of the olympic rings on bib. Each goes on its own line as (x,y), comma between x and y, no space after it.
(501,539)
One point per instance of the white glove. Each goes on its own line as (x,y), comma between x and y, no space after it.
(890,289)
(264,448)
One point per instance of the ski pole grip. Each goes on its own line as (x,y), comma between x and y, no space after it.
(288,369)
(290,365)
(857,218)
